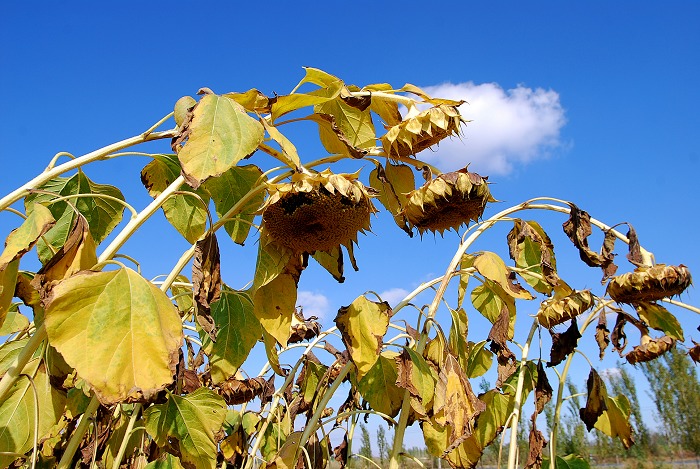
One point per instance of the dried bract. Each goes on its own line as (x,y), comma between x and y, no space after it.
(421,131)
(649,283)
(317,212)
(447,202)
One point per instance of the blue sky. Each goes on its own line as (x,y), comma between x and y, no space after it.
(593,102)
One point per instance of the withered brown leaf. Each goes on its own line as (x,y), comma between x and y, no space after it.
(340,452)
(618,336)
(595,402)
(543,390)
(206,280)
(695,352)
(635,251)
(578,229)
(563,344)
(536,444)
(602,334)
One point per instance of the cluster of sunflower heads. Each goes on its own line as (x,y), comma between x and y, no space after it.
(317,212)
(447,202)
(416,133)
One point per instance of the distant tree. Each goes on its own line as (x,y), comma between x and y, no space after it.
(366,448)
(382,445)
(676,393)
(623,383)
(572,432)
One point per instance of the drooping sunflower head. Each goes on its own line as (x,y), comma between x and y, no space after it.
(317,212)
(647,284)
(447,202)
(650,349)
(421,131)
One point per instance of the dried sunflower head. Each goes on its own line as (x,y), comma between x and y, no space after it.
(556,311)
(447,201)
(317,212)
(421,131)
(649,283)
(650,349)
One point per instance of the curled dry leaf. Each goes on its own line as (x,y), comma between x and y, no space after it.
(578,229)
(421,131)
(447,202)
(635,249)
(650,349)
(564,344)
(602,334)
(618,336)
(206,280)
(649,283)
(532,250)
(555,311)
(340,452)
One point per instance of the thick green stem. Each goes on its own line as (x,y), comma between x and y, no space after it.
(127,435)
(96,155)
(15,369)
(517,404)
(78,434)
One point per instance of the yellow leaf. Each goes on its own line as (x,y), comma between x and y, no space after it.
(274,305)
(493,268)
(22,239)
(362,325)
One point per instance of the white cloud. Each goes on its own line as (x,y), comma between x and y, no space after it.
(508,128)
(394,295)
(314,304)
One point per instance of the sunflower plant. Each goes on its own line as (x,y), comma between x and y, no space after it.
(102,367)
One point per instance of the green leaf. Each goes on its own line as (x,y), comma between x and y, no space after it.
(14,321)
(378,386)
(22,239)
(480,359)
(570,461)
(393,183)
(102,215)
(228,189)
(275,436)
(220,134)
(238,331)
(661,319)
(184,211)
(106,313)
(168,461)
(8,280)
(9,351)
(311,387)
(533,251)
(493,268)
(272,260)
(355,124)
(490,299)
(362,325)
(193,420)
(18,409)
